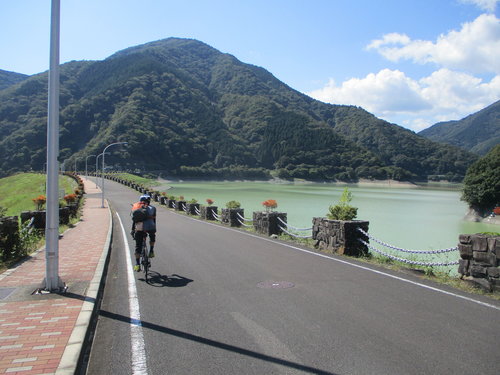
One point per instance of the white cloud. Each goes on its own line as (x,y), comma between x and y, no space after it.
(487,5)
(474,48)
(416,104)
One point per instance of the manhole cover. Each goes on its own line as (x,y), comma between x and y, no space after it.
(275,285)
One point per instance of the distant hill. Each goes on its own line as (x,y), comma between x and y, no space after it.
(8,79)
(186,109)
(478,133)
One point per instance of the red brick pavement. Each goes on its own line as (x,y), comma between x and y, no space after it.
(43,333)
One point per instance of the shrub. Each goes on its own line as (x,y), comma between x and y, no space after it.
(233,204)
(270,204)
(343,210)
(192,201)
(70,198)
(181,198)
(210,201)
(39,202)
(3,211)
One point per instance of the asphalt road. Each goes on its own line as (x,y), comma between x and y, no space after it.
(223,301)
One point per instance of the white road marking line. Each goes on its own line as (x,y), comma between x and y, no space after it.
(139,365)
(358,266)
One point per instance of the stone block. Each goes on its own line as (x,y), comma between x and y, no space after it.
(495,284)
(484,257)
(465,251)
(464,239)
(463,267)
(478,271)
(493,272)
(494,245)
(479,242)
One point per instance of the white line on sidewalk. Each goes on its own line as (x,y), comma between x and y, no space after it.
(139,365)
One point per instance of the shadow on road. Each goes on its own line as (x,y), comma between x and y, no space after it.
(174,281)
(215,344)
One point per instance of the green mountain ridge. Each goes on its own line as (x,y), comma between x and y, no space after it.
(477,133)
(8,79)
(187,109)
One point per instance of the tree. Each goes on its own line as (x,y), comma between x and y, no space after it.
(482,182)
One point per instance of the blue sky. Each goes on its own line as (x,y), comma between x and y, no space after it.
(411,62)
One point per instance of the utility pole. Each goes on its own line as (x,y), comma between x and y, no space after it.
(52,281)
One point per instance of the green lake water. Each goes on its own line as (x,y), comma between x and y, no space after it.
(410,218)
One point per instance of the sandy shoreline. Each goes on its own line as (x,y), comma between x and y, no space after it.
(372,183)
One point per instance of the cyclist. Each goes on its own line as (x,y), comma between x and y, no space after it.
(141,229)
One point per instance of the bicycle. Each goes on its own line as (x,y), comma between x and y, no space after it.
(146,263)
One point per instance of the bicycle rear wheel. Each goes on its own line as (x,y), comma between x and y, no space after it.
(145,260)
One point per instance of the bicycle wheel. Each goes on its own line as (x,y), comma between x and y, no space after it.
(145,260)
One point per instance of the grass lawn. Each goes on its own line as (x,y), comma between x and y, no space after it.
(17,191)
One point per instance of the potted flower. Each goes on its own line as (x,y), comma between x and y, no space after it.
(270,205)
(39,202)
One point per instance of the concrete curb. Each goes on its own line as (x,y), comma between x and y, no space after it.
(74,349)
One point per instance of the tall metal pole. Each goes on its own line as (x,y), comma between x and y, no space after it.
(86,160)
(76,159)
(97,168)
(103,153)
(52,280)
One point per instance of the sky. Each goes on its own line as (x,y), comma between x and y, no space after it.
(410,62)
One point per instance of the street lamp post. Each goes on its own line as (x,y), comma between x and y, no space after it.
(52,280)
(86,160)
(103,153)
(76,159)
(96,168)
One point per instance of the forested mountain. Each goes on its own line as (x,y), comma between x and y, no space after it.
(187,109)
(10,78)
(478,133)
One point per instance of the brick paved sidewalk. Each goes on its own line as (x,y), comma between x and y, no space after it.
(44,333)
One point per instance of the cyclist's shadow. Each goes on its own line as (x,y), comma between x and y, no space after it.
(172,281)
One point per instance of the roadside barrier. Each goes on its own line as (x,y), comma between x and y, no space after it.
(290,227)
(242,221)
(403,260)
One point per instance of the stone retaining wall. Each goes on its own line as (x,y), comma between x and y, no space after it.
(480,259)
(341,237)
(230,216)
(207,212)
(266,222)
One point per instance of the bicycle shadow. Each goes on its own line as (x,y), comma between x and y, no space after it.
(173,281)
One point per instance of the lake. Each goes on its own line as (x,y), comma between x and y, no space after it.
(421,218)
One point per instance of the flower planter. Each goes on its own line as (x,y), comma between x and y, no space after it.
(230,216)
(341,237)
(207,212)
(181,205)
(266,222)
(192,208)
